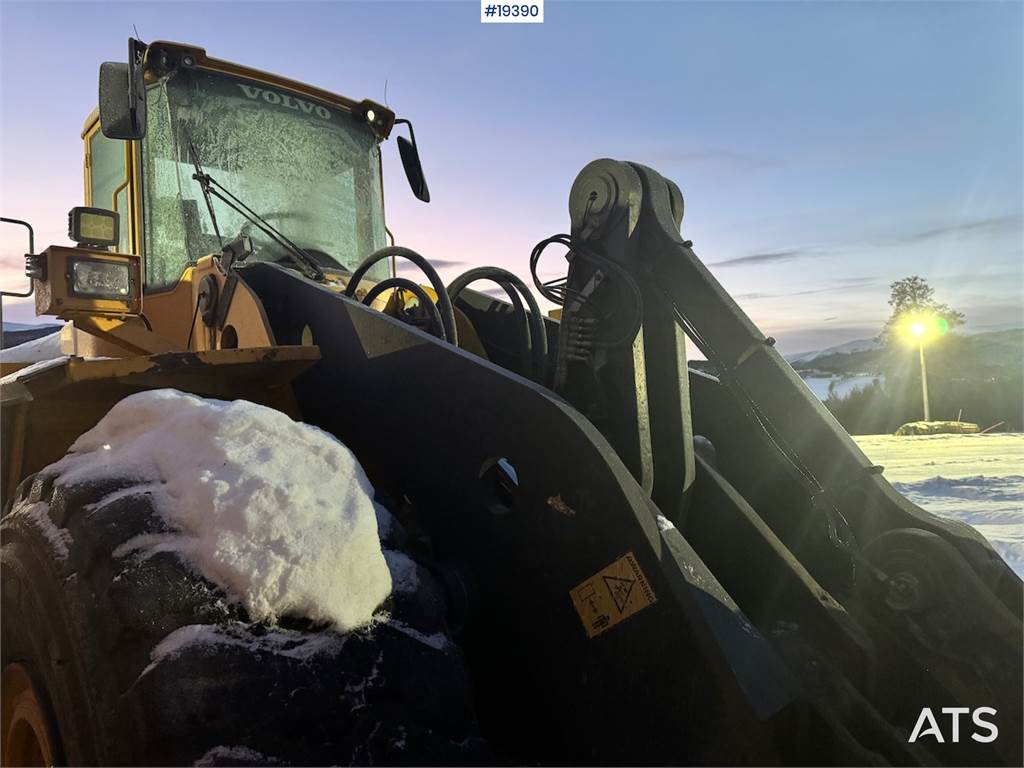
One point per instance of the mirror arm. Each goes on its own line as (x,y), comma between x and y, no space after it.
(410,153)
(136,83)
(32,266)
(412,133)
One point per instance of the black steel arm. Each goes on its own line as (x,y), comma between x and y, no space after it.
(905,574)
(631,215)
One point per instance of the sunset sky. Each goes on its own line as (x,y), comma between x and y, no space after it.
(824,149)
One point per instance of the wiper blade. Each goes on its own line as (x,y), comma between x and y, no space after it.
(206,191)
(306,263)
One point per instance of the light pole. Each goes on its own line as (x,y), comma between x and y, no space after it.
(922,328)
(919,330)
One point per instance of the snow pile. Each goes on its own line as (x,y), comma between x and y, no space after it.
(43,348)
(403,571)
(976,479)
(278,513)
(281,642)
(234,755)
(436,640)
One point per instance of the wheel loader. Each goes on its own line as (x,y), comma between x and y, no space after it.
(636,562)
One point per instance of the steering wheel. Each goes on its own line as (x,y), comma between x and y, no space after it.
(444,303)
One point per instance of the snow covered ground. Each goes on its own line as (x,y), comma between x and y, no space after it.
(977,479)
(43,348)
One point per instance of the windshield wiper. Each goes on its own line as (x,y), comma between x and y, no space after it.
(204,187)
(307,264)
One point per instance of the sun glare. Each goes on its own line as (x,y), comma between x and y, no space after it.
(920,328)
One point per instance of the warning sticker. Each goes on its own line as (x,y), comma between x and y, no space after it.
(611,595)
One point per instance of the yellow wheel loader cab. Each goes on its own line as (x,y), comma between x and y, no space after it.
(306,160)
(626,561)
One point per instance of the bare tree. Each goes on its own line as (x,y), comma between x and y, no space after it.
(910,295)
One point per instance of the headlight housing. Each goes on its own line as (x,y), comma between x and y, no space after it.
(91,282)
(99,279)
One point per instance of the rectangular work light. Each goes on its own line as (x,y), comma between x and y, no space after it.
(93,227)
(101,279)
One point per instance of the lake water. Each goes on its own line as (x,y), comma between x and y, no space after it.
(843,386)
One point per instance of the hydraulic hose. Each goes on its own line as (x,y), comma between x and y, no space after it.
(422,295)
(444,304)
(536,335)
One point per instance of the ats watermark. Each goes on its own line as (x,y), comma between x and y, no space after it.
(945,726)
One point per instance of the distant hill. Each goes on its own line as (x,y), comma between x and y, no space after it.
(996,348)
(18,333)
(980,354)
(858,345)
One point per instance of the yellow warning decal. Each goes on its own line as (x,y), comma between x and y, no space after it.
(611,595)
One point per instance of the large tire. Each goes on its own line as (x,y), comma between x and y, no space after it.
(136,659)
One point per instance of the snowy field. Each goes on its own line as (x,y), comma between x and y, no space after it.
(43,348)
(977,479)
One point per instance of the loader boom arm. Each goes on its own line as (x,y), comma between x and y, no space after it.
(634,289)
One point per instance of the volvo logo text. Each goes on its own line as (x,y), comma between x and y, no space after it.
(285,100)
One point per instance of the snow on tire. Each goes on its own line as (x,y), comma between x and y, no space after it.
(138,659)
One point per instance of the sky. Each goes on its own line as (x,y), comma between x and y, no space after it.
(824,149)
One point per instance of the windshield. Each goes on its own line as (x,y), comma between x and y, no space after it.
(311,170)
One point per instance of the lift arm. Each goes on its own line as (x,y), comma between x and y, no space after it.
(635,289)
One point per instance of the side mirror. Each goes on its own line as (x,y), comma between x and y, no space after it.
(411,162)
(35,266)
(123,96)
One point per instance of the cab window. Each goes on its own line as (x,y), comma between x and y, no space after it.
(107,173)
(309,169)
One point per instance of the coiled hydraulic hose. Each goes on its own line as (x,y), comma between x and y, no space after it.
(424,298)
(535,334)
(444,304)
